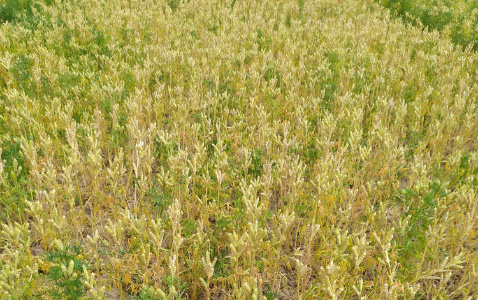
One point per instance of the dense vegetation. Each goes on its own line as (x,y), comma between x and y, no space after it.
(456,18)
(166,149)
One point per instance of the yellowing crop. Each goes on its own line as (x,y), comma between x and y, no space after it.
(232,149)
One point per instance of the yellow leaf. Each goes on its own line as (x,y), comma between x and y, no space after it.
(127,278)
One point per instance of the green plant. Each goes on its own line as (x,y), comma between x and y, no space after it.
(256,166)
(457,18)
(270,294)
(175,285)
(10,9)
(174,4)
(159,199)
(66,274)
(419,214)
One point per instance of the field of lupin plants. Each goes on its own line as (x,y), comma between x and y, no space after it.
(233,149)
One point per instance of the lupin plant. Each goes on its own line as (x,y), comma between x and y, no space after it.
(165,149)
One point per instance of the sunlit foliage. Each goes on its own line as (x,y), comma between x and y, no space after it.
(166,149)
